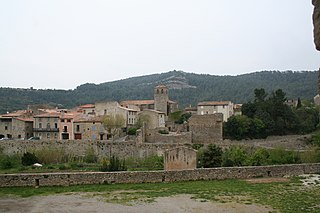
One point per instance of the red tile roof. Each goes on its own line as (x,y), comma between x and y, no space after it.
(49,115)
(137,102)
(87,106)
(25,119)
(214,103)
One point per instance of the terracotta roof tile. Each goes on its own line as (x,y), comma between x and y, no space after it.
(136,102)
(87,106)
(25,119)
(213,103)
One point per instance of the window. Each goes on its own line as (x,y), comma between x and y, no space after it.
(62,120)
(48,125)
(40,125)
(69,120)
(56,125)
(6,128)
(78,128)
(65,129)
(48,135)
(19,136)
(55,135)
(105,111)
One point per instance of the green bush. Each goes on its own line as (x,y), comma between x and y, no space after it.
(63,167)
(90,156)
(315,138)
(51,155)
(6,162)
(210,156)
(132,131)
(260,157)
(152,162)
(115,164)
(163,131)
(29,159)
(311,156)
(281,156)
(235,156)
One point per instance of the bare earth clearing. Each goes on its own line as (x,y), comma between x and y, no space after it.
(82,203)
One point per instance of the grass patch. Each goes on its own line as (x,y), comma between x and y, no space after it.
(288,196)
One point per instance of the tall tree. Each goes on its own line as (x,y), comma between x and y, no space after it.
(113,124)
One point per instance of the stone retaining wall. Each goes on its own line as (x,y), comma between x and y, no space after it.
(77,178)
(80,147)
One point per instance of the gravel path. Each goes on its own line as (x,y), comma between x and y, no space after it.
(81,203)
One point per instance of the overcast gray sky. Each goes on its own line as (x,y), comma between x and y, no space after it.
(65,43)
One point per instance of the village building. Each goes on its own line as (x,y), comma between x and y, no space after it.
(89,128)
(113,108)
(237,109)
(191,110)
(66,125)
(16,125)
(87,109)
(152,118)
(160,102)
(212,107)
(206,129)
(46,126)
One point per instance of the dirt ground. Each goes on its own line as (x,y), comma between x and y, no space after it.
(82,203)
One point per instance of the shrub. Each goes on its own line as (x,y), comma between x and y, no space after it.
(235,156)
(259,158)
(6,163)
(63,167)
(281,156)
(51,155)
(132,131)
(115,164)
(90,156)
(210,157)
(311,156)
(152,162)
(29,159)
(163,131)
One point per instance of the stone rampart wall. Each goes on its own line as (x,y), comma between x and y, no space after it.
(66,179)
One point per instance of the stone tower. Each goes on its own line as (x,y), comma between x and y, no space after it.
(161,98)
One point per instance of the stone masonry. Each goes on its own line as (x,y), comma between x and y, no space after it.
(77,178)
(180,158)
(206,128)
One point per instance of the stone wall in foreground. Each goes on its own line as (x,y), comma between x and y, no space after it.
(67,179)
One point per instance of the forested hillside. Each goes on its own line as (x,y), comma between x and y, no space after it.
(186,88)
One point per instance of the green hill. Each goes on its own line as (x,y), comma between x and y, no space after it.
(186,88)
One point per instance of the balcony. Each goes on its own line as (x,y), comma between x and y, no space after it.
(46,129)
